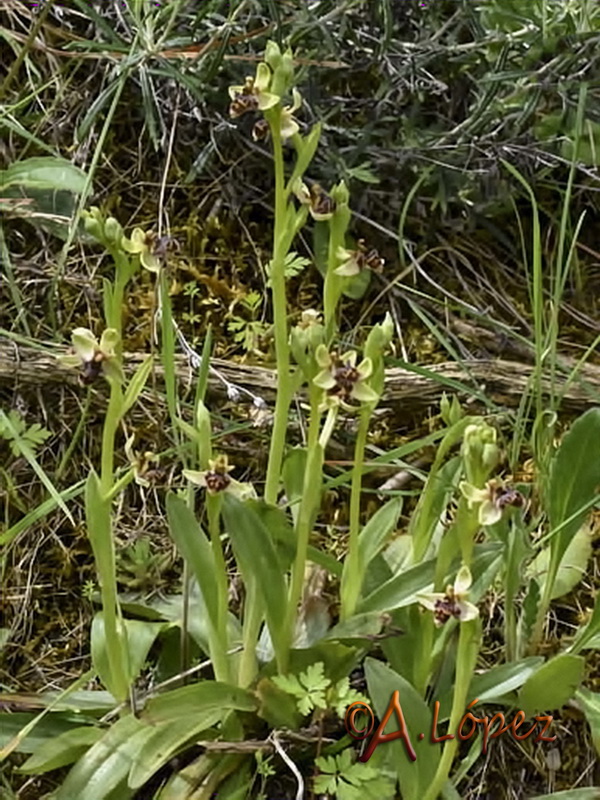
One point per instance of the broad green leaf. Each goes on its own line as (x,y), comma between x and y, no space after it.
(400,590)
(35,722)
(552,685)
(195,548)
(113,666)
(141,635)
(574,479)
(62,750)
(257,559)
(292,475)
(414,776)
(107,650)
(503,679)
(41,730)
(277,707)
(360,626)
(104,768)
(166,740)
(44,172)
(199,698)
(284,538)
(373,537)
(339,659)
(572,567)
(94,702)
(137,383)
(590,704)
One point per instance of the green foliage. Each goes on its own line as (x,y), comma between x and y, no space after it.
(308,688)
(552,685)
(15,430)
(314,691)
(502,87)
(346,779)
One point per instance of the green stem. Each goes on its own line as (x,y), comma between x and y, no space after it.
(280,325)
(253,617)
(111,422)
(351,576)
(310,499)
(466,659)
(220,662)
(119,485)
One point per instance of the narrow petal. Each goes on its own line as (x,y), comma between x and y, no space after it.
(85,343)
(463,581)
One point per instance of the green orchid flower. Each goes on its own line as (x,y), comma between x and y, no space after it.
(143,243)
(355,261)
(491,500)
(342,380)
(96,357)
(320,204)
(452,603)
(253,95)
(216,479)
(142,463)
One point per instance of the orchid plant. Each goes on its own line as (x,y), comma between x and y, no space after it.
(282,660)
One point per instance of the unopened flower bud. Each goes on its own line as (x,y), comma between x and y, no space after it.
(113,231)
